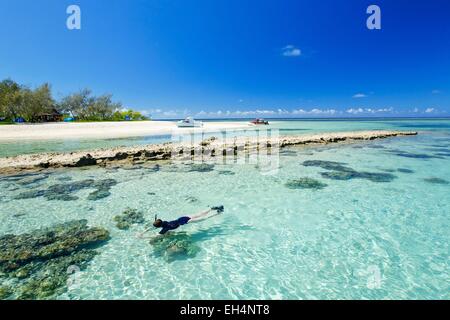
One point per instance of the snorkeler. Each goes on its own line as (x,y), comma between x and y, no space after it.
(172,225)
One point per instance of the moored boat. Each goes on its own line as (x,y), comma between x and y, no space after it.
(259,121)
(189,122)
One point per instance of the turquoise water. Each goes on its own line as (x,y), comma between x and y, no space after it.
(351,239)
(292,127)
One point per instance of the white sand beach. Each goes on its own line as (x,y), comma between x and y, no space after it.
(102,130)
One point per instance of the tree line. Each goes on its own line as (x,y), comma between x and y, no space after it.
(20,101)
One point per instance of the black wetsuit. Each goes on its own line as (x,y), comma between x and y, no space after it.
(172,225)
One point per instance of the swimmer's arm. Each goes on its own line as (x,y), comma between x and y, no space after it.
(141,235)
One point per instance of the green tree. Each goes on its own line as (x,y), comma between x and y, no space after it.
(10,99)
(77,104)
(103,108)
(36,102)
(132,115)
(83,106)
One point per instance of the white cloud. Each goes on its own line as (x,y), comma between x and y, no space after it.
(254,112)
(291,51)
(315,111)
(359,95)
(429,110)
(369,110)
(386,110)
(169,113)
(355,111)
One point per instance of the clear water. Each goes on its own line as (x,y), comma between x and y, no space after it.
(353,239)
(292,127)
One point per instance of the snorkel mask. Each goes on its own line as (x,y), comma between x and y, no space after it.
(156,219)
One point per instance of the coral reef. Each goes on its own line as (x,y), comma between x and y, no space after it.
(288,153)
(305,183)
(175,246)
(63,192)
(436,180)
(5,292)
(226,172)
(347,175)
(128,218)
(340,172)
(327,165)
(191,199)
(201,167)
(403,170)
(37,262)
(155,152)
(32,179)
(412,155)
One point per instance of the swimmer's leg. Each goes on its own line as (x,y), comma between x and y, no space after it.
(199,216)
(203,216)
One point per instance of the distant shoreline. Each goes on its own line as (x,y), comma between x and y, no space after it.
(316,119)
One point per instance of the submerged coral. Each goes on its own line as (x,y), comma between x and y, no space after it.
(340,172)
(327,165)
(21,176)
(154,168)
(305,183)
(63,191)
(128,218)
(442,154)
(99,194)
(288,153)
(201,167)
(436,180)
(406,154)
(191,199)
(403,170)
(32,179)
(5,292)
(371,176)
(339,175)
(226,172)
(175,246)
(38,261)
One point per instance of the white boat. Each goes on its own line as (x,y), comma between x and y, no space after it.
(189,122)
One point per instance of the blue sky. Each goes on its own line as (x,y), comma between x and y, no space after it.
(237,58)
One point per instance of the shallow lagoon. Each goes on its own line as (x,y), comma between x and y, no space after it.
(353,239)
(289,127)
